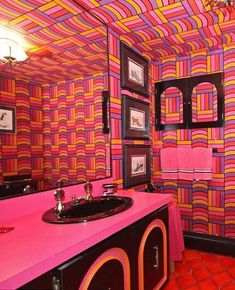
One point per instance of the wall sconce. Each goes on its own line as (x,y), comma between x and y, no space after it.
(11,52)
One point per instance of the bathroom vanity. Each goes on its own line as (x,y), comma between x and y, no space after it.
(124,251)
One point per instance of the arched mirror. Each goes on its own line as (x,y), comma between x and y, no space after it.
(51,103)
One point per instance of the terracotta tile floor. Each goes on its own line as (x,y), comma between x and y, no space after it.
(205,271)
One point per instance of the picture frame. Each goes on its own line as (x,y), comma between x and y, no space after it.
(135,118)
(136,165)
(134,71)
(7,119)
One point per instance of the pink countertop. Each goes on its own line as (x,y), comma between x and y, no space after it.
(34,247)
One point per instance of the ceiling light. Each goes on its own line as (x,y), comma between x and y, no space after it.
(11,52)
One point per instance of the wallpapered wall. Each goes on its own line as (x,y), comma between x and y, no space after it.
(57,126)
(22,153)
(116,109)
(206,206)
(75,148)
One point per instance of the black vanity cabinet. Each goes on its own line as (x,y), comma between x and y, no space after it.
(135,258)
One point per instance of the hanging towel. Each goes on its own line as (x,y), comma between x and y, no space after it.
(169,163)
(185,163)
(202,163)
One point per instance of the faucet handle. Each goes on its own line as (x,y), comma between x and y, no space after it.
(59,183)
(59,196)
(88,187)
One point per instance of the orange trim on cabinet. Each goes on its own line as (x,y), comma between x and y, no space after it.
(111,254)
(154,224)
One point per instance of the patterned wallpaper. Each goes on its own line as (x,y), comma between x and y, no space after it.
(59,130)
(75,148)
(206,206)
(21,153)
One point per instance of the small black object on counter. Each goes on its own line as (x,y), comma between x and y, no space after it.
(109,188)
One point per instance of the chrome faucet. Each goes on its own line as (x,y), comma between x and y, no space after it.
(88,189)
(59,196)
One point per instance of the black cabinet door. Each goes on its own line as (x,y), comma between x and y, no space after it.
(106,266)
(153,259)
(151,236)
(109,276)
(195,102)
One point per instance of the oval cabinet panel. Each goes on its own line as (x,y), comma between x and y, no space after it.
(152,256)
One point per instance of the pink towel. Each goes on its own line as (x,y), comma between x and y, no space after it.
(169,163)
(176,239)
(202,163)
(185,163)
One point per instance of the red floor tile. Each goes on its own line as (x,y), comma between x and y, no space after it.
(190,254)
(232,272)
(215,267)
(207,285)
(227,262)
(195,287)
(182,269)
(201,274)
(222,279)
(203,271)
(196,264)
(229,287)
(209,258)
(186,281)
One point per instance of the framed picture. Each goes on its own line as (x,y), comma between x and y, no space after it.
(135,118)
(134,71)
(136,165)
(7,119)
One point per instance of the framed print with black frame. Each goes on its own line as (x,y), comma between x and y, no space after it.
(135,118)
(7,119)
(136,165)
(134,71)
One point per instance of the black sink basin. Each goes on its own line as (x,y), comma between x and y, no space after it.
(99,207)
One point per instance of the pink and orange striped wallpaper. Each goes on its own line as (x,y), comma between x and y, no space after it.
(206,206)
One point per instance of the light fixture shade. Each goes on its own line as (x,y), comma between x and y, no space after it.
(11,50)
